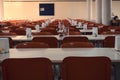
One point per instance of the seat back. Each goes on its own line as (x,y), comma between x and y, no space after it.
(20,31)
(77,45)
(32,45)
(109,41)
(8,34)
(51,41)
(75,39)
(51,30)
(86,68)
(27,69)
(42,33)
(74,33)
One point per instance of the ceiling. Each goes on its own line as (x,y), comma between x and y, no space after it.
(47,0)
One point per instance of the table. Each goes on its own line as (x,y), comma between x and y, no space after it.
(86,30)
(56,55)
(97,41)
(90,37)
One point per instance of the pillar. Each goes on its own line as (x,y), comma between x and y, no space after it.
(98,5)
(106,12)
(89,8)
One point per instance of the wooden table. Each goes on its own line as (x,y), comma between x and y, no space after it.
(97,41)
(56,55)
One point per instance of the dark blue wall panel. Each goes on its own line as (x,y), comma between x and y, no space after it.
(46,9)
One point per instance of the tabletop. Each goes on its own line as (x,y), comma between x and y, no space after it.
(58,54)
(90,37)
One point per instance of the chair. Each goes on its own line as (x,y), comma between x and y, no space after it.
(27,69)
(103,29)
(32,45)
(73,29)
(109,41)
(42,33)
(51,30)
(8,34)
(74,33)
(20,31)
(51,41)
(75,39)
(30,26)
(86,68)
(77,45)
(109,32)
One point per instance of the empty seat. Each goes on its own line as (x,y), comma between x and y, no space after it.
(109,41)
(109,32)
(77,45)
(51,30)
(42,33)
(86,68)
(27,69)
(20,31)
(32,45)
(74,33)
(75,39)
(8,34)
(51,41)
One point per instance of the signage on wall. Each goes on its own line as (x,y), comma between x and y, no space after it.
(46,9)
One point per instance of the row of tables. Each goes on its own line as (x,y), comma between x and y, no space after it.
(90,37)
(56,55)
(96,40)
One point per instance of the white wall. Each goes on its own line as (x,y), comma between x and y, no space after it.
(30,10)
(1,10)
(116,8)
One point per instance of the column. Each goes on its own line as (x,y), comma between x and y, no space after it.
(98,5)
(1,10)
(89,8)
(106,12)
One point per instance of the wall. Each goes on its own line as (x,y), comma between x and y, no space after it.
(30,10)
(116,8)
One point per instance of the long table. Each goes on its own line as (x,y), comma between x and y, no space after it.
(85,31)
(90,37)
(56,55)
(96,40)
